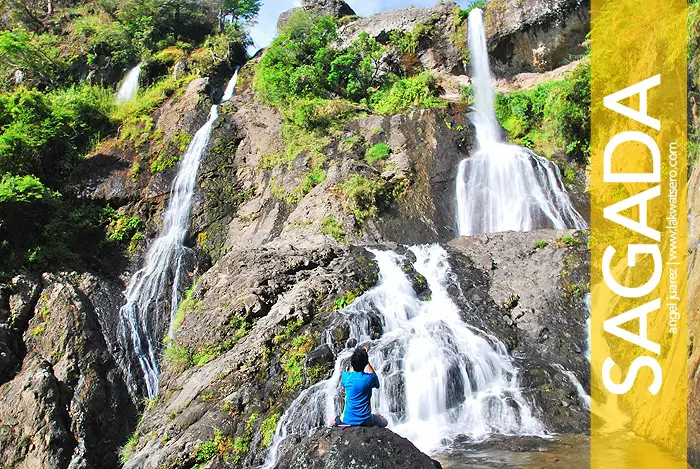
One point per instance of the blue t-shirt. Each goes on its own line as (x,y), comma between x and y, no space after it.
(358,394)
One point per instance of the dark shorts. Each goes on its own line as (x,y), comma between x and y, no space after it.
(375,420)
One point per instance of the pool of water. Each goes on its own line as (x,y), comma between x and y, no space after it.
(555,452)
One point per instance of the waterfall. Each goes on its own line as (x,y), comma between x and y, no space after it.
(230,88)
(130,85)
(439,377)
(153,292)
(503,187)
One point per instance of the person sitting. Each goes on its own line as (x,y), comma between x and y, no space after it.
(358,385)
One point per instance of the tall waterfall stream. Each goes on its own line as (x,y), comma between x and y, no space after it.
(505,187)
(153,292)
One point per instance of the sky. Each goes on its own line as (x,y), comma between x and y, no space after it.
(266,28)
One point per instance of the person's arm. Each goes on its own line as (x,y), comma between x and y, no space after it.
(370,370)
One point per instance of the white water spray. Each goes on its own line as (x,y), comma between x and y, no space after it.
(130,85)
(153,293)
(505,187)
(439,378)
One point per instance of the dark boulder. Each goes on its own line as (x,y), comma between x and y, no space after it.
(356,447)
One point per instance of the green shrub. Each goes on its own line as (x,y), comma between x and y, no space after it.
(541,244)
(567,240)
(179,356)
(210,352)
(377,152)
(46,134)
(421,91)
(128,449)
(268,428)
(463,13)
(22,189)
(362,196)
(552,117)
(332,228)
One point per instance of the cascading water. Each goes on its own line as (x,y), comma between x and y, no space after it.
(130,85)
(505,187)
(153,293)
(439,378)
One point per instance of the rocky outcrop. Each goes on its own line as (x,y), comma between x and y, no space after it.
(537,284)
(68,406)
(440,35)
(368,448)
(248,339)
(328,7)
(250,205)
(535,36)
(337,8)
(246,345)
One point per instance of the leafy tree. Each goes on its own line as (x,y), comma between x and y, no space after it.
(33,55)
(240,11)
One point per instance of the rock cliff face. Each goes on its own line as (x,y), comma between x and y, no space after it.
(535,36)
(68,406)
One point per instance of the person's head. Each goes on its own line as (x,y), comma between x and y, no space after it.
(359,359)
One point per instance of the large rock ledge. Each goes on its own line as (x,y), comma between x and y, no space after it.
(355,448)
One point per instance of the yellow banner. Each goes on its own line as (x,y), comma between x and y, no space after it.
(638,231)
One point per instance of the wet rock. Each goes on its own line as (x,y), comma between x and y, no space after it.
(369,448)
(17,302)
(534,303)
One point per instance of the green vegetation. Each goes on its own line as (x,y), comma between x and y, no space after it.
(218,446)
(551,117)
(421,91)
(293,361)
(568,241)
(187,305)
(178,356)
(361,197)
(377,152)
(210,352)
(541,244)
(332,228)
(129,448)
(289,330)
(61,62)
(347,299)
(463,13)
(268,428)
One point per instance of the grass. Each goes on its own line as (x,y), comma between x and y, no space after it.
(361,197)
(541,244)
(332,228)
(567,240)
(377,152)
(289,330)
(128,449)
(268,428)
(178,356)
(293,362)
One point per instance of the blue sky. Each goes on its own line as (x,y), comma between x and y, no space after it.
(266,29)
